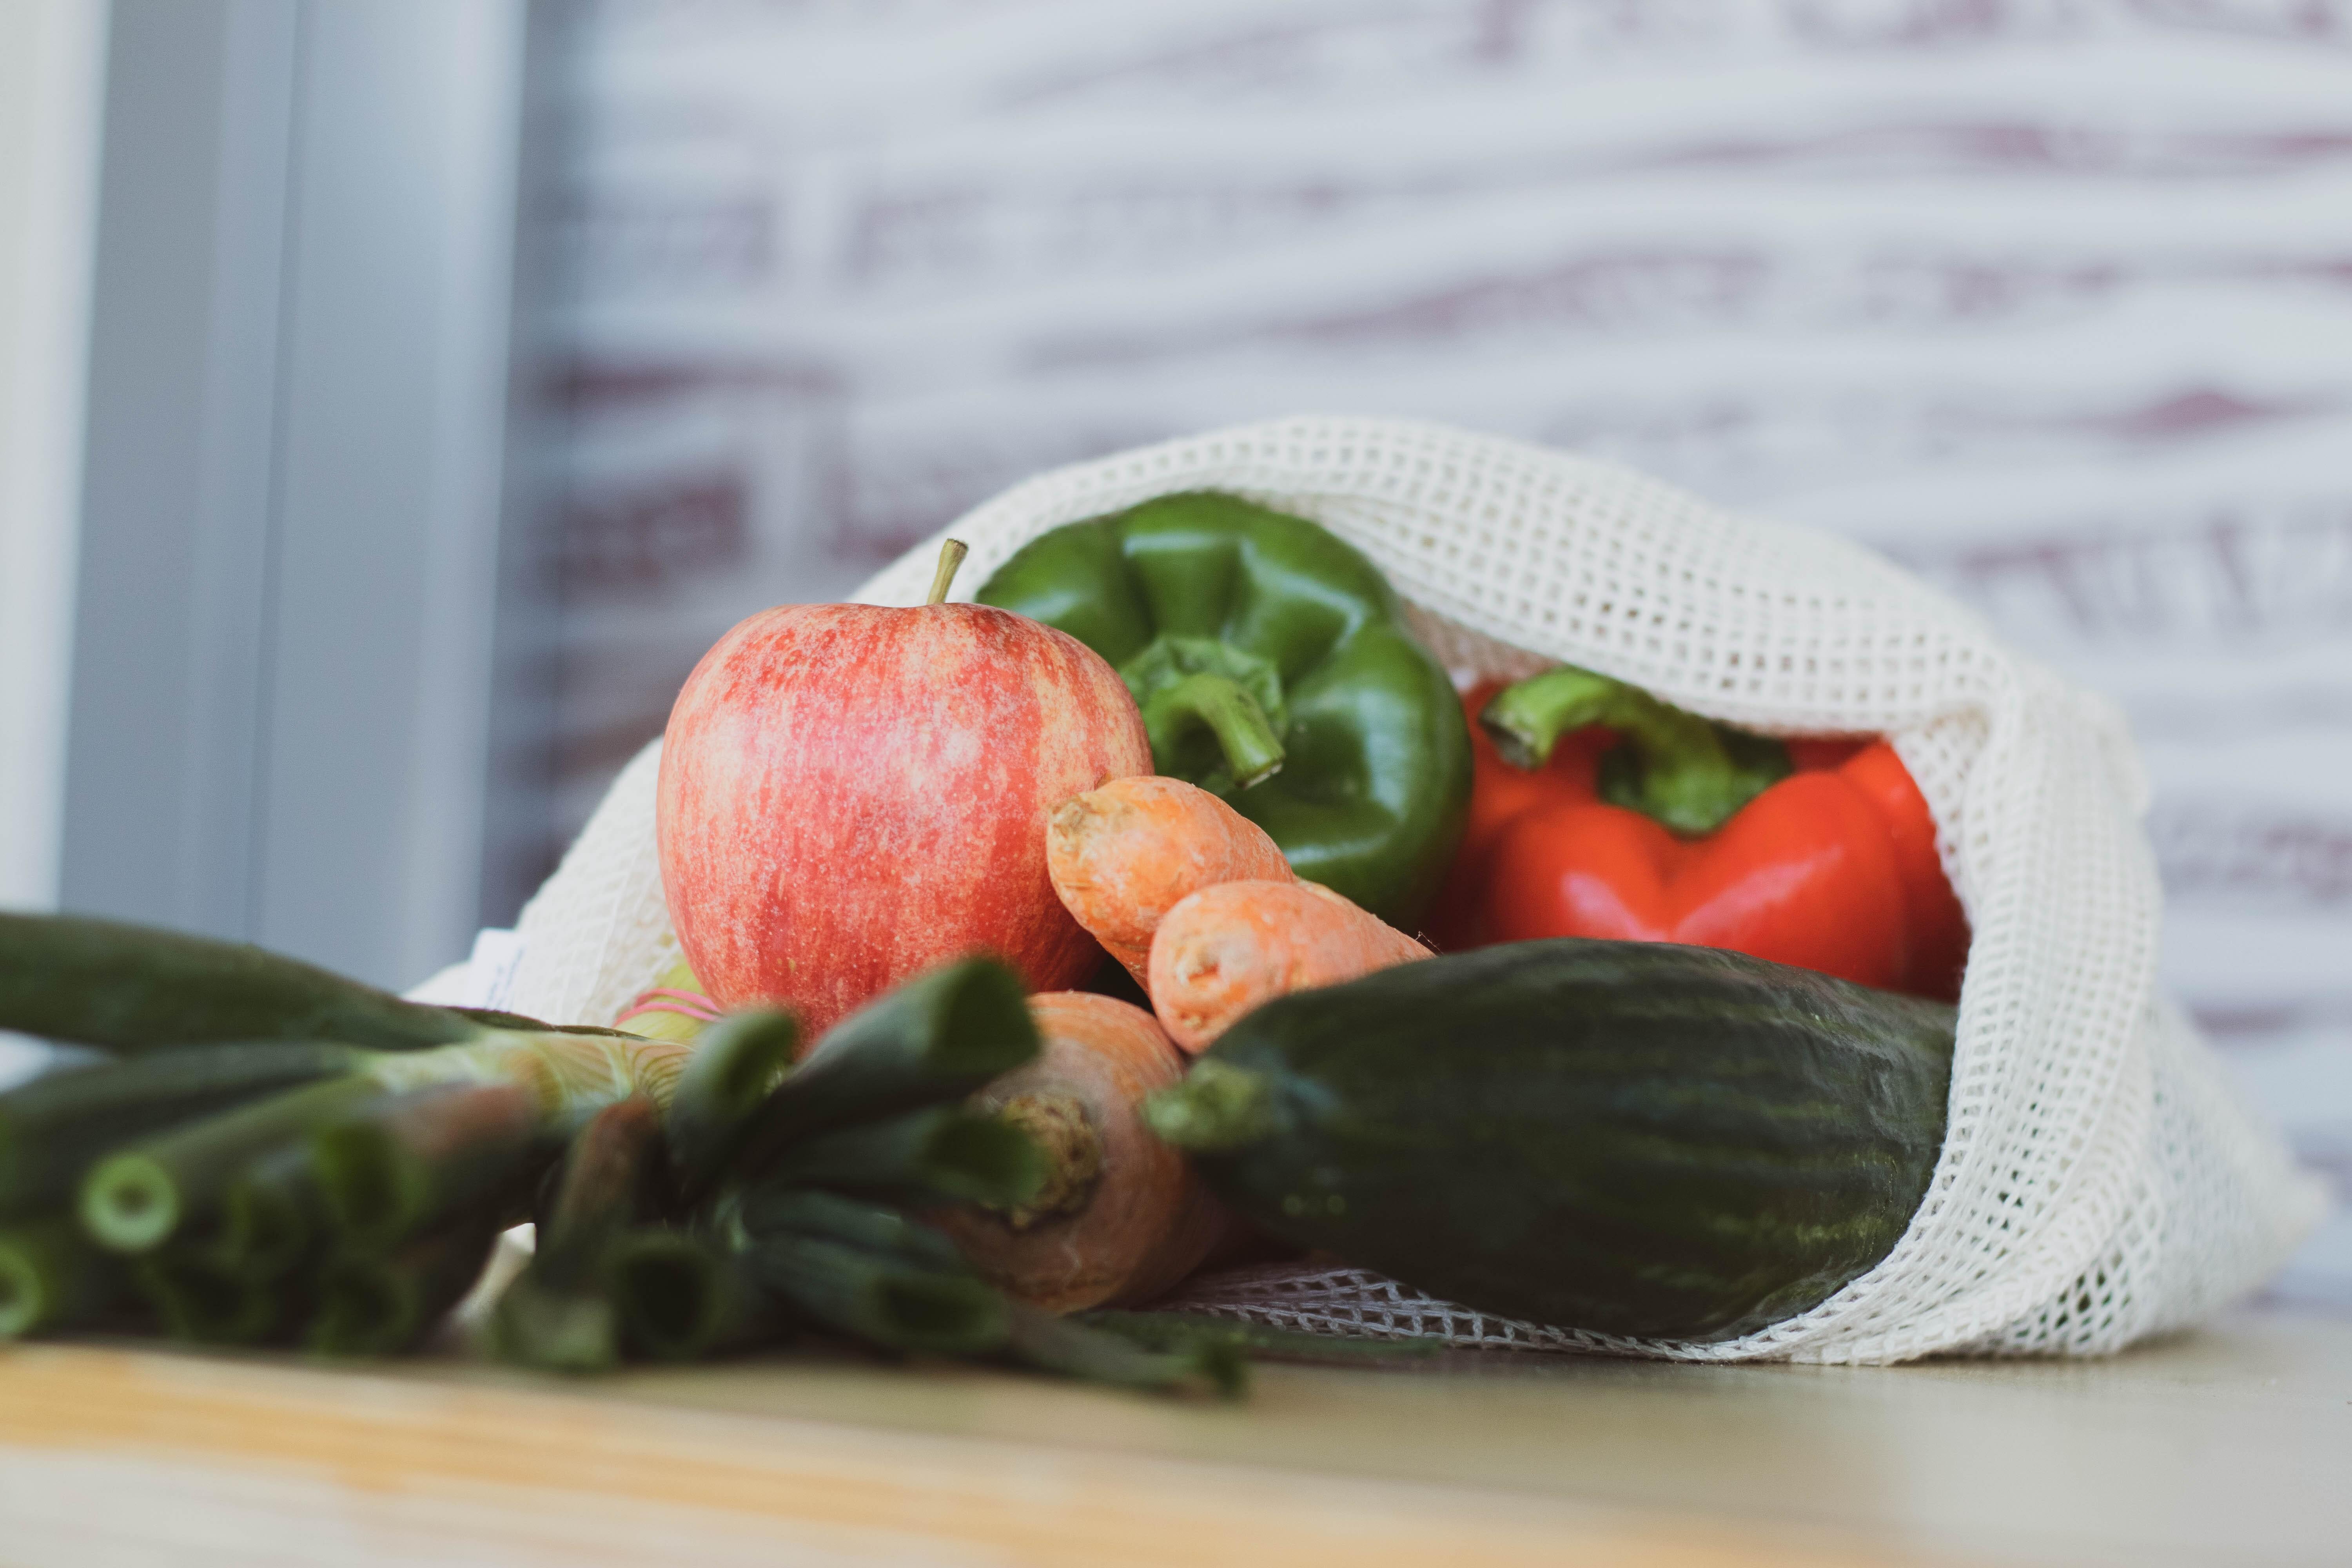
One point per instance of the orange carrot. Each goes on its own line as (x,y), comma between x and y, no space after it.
(1122,1216)
(1122,856)
(1227,949)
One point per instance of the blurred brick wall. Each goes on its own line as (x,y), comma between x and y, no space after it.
(2050,298)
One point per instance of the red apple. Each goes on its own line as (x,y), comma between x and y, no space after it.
(850,794)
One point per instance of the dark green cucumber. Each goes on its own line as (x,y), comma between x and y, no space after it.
(135,988)
(1630,1138)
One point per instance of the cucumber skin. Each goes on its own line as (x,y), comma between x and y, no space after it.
(132,988)
(1631,1138)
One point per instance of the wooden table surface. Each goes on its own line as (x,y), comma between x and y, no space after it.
(2231,1445)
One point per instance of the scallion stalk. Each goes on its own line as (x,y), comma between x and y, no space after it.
(1180,1331)
(559,1313)
(55,1128)
(409,1160)
(773,1206)
(140,1196)
(677,1298)
(942,1154)
(1075,1348)
(876,1299)
(200,1304)
(264,1221)
(931,1041)
(737,1064)
(135,1200)
(52,1278)
(380,1305)
(135,988)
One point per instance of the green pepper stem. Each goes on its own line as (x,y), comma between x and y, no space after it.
(1689,774)
(1253,751)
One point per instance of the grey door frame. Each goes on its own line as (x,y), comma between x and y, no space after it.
(295,459)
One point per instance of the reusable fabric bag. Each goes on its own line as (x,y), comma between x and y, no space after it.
(2101,1181)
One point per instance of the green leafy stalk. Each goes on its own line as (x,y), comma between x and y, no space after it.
(677,1298)
(135,1200)
(931,1041)
(139,1196)
(774,1208)
(944,1154)
(1074,1348)
(737,1064)
(575,1329)
(604,1191)
(414,1159)
(55,1128)
(375,1305)
(1181,1330)
(200,1304)
(878,1300)
(559,1313)
(52,1278)
(264,1221)
(135,988)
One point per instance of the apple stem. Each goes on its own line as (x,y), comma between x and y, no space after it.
(952,554)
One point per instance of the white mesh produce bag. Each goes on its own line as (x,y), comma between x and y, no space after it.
(2100,1180)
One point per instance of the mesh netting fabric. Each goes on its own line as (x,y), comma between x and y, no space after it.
(2099,1182)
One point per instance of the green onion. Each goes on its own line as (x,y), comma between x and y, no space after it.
(736,1065)
(383,1305)
(264,1221)
(772,1208)
(876,1300)
(135,1200)
(559,1313)
(55,1128)
(51,1278)
(135,988)
(200,1304)
(602,1191)
(139,1196)
(932,1041)
(556,1330)
(677,1299)
(1075,1348)
(1179,1331)
(940,1155)
(391,1172)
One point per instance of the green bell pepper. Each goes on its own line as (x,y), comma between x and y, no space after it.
(1273,667)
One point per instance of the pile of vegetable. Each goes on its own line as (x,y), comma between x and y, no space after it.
(1684,1074)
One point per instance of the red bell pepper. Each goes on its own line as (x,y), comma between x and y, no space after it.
(1820,854)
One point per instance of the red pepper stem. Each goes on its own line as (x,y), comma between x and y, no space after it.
(1685,774)
(1252,749)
